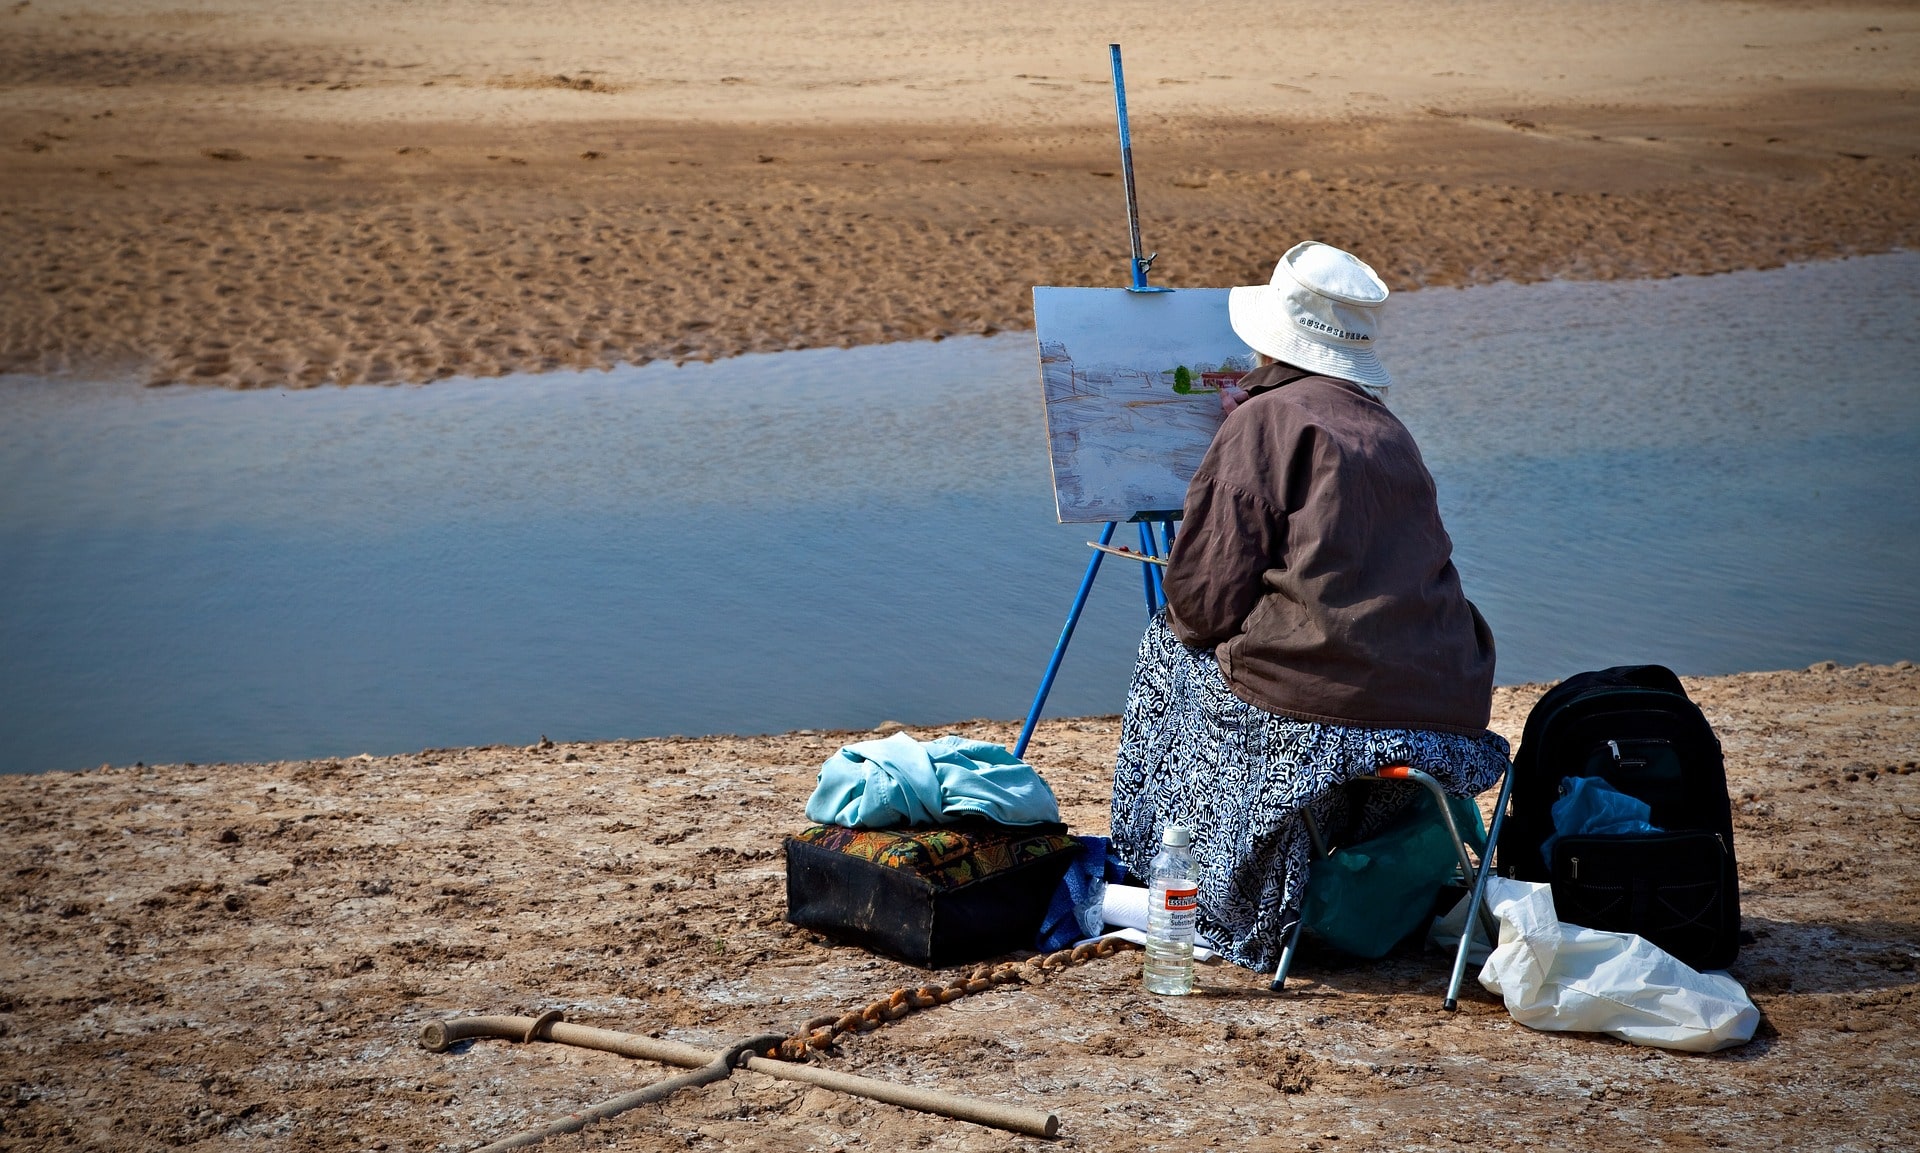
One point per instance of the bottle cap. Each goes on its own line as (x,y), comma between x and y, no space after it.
(1176,836)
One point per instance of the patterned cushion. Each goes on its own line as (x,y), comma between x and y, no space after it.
(947,856)
(936,897)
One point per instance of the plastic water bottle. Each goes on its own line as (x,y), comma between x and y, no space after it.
(1172,900)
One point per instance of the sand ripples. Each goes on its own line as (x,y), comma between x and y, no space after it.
(404,278)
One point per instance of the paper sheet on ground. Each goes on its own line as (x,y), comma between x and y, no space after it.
(1125,907)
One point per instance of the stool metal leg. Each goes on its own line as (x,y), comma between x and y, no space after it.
(1439,794)
(1280,972)
(1476,905)
(1293,939)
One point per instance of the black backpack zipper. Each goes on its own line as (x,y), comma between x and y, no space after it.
(1573,863)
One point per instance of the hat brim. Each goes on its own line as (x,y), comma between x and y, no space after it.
(1259,317)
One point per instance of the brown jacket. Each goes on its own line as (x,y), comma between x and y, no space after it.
(1312,560)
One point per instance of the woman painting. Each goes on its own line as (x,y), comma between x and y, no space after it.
(1315,629)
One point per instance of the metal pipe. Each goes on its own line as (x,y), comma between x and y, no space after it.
(1012,1118)
(1147,585)
(1287,952)
(1439,794)
(439,1035)
(1060,646)
(1139,265)
(1477,899)
(1159,571)
(718,1069)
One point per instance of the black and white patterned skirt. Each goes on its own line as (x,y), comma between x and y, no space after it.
(1193,754)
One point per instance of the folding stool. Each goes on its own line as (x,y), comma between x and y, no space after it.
(1475,898)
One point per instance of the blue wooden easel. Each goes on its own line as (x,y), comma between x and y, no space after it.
(1151,543)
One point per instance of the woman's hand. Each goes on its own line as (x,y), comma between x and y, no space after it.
(1232,397)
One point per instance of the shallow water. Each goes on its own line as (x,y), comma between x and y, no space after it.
(1717,474)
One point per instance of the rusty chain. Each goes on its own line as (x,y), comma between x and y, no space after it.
(821,1031)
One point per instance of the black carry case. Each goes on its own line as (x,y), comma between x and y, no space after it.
(1635,727)
(933,897)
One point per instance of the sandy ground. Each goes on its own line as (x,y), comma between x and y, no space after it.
(227,955)
(232,192)
(250,194)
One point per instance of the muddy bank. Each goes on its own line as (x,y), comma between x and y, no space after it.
(214,955)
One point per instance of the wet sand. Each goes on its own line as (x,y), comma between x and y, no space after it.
(379,191)
(220,955)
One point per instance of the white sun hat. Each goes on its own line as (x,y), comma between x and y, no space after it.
(1321,312)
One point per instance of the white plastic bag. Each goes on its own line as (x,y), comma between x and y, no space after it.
(1564,977)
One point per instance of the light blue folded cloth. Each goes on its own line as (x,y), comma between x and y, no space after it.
(897,780)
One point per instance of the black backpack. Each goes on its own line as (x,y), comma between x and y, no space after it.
(1634,726)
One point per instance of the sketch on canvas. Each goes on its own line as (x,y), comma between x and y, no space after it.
(1132,384)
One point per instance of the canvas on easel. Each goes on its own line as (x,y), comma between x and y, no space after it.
(1132,383)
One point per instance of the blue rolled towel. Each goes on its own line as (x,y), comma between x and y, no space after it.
(1591,806)
(1074,913)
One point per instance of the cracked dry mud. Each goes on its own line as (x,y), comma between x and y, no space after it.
(236,955)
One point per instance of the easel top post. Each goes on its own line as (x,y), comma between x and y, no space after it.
(1140,264)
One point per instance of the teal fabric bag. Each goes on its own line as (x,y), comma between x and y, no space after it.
(1366,898)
